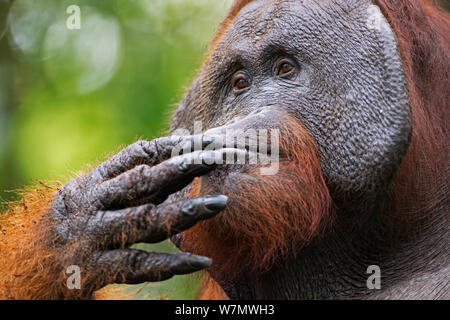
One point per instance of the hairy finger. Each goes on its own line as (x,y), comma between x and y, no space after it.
(137,266)
(150,223)
(144,184)
(149,153)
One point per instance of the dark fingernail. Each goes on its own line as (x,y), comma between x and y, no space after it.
(215,203)
(199,262)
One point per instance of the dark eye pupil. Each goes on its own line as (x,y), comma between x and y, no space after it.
(285,68)
(241,84)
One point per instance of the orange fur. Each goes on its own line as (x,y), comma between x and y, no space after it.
(280,215)
(423,32)
(31,267)
(421,183)
(237,6)
(267,217)
(211,290)
(26,265)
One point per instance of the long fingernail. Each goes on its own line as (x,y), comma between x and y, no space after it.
(200,262)
(215,203)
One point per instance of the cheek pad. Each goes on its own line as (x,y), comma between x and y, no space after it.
(359,113)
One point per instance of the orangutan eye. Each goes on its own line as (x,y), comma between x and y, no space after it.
(240,81)
(285,67)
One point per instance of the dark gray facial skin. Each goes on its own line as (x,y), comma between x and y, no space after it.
(348,89)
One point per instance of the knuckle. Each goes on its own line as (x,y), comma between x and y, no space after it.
(144,145)
(183,165)
(141,142)
(189,207)
(142,169)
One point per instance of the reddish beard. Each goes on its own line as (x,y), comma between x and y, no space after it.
(268,217)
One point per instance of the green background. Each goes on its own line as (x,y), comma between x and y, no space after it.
(69,97)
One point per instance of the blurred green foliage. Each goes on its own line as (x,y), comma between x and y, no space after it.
(68,97)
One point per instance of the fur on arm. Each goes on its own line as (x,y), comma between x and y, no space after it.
(28,265)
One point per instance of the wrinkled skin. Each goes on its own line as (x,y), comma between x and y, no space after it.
(348,79)
(348,89)
(97,217)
